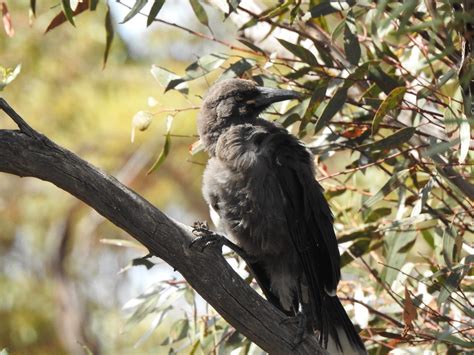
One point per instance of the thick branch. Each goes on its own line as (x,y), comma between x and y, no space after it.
(28,153)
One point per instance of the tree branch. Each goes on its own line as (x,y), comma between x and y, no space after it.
(26,152)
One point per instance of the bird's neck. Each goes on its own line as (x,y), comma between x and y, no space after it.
(210,133)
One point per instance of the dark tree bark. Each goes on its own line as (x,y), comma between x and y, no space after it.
(25,152)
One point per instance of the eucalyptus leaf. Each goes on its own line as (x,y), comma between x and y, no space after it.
(68,11)
(299,51)
(334,105)
(392,101)
(389,186)
(200,12)
(139,4)
(155,9)
(109,35)
(166,147)
(351,42)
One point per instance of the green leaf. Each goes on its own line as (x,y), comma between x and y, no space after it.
(203,66)
(93,4)
(449,245)
(276,11)
(425,92)
(301,52)
(179,330)
(294,114)
(68,11)
(233,5)
(33,7)
(333,106)
(109,30)
(398,138)
(384,81)
(139,4)
(437,147)
(155,9)
(377,214)
(327,7)
(199,12)
(144,261)
(392,101)
(317,97)
(338,31)
(166,147)
(397,244)
(252,46)
(389,186)
(465,139)
(351,42)
(237,69)
(169,79)
(449,338)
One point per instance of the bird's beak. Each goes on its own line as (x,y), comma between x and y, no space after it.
(268,96)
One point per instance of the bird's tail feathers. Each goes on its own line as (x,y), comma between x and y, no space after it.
(343,337)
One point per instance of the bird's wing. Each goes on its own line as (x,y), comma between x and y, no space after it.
(309,218)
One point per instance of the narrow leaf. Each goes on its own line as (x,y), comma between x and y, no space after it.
(398,138)
(166,148)
(139,4)
(327,7)
(392,101)
(199,12)
(351,43)
(398,244)
(301,52)
(68,11)
(252,46)
(109,31)
(333,106)
(384,81)
(317,97)
(179,329)
(237,68)
(204,65)
(389,186)
(33,7)
(155,9)
(94,4)
(465,138)
(168,79)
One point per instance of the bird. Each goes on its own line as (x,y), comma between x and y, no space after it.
(260,182)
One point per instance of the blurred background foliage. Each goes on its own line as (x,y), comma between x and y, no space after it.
(388,113)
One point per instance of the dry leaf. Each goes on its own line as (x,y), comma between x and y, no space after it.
(409,312)
(60,18)
(7,20)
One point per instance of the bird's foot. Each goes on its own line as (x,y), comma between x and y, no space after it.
(205,237)
(300,320)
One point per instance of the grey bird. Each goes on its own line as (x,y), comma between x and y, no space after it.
(260,181)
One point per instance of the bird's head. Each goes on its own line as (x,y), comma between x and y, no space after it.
(235,101)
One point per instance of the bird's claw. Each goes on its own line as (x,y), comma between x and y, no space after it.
(300,320)
(205,237)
